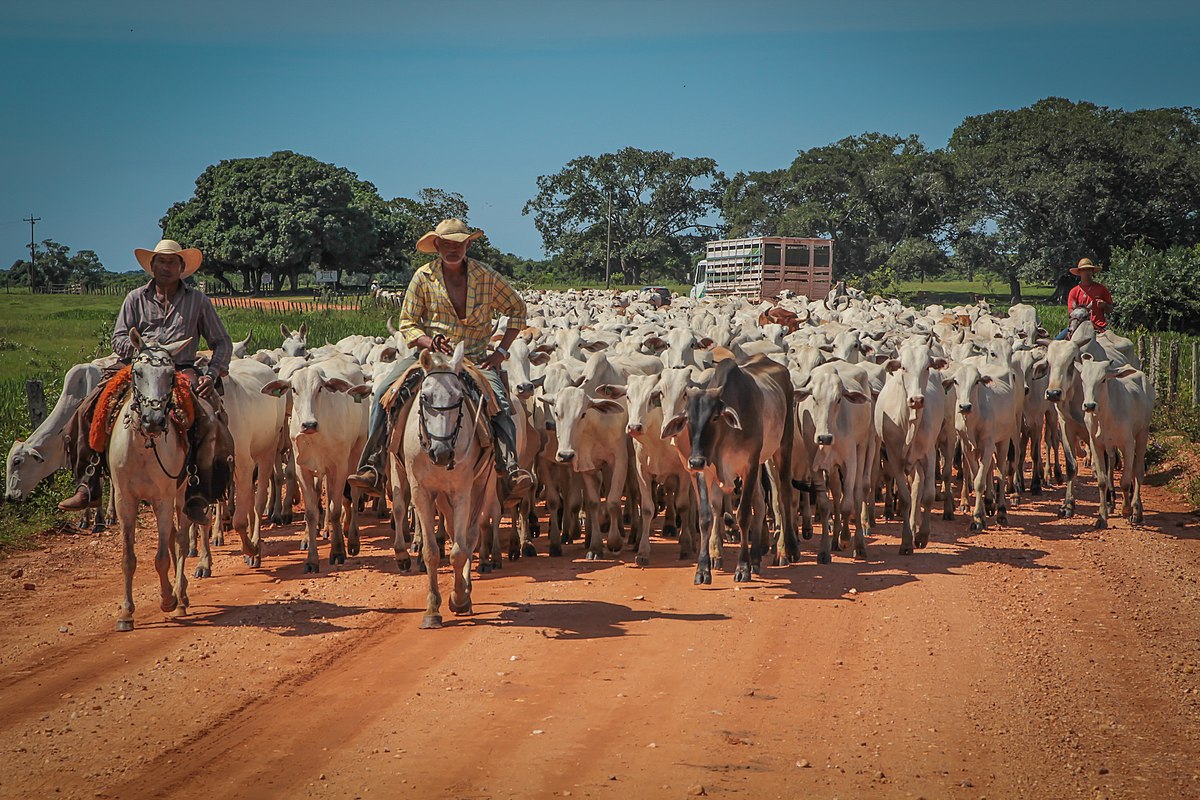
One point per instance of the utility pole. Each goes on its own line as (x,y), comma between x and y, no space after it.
(608,247)
(32,220)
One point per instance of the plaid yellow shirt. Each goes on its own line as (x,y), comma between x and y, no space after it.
(427,310)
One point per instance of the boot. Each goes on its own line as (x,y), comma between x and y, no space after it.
(518,482)
(86,464)
(370,465)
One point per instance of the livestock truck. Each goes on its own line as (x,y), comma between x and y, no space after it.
(762,267)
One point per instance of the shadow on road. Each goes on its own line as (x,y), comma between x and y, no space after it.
(577,619)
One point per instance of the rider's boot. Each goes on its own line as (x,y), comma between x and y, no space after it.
(518,481)
(369,476)
(86,464)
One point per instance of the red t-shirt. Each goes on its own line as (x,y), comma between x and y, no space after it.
(1082,295)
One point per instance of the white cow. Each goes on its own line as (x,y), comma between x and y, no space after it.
(1117,405)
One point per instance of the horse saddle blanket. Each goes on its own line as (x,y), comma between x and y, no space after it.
(112,398)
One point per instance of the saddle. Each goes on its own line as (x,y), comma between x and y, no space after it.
(397,401)
(112,397)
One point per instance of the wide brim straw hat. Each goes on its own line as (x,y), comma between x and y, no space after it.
(453,229)
(191,256)
(1084,264)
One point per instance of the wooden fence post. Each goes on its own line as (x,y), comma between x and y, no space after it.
(1141,350)
(1173,369)
(35,394)
(1152,369)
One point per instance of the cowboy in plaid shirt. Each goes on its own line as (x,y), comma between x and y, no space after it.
(450,300)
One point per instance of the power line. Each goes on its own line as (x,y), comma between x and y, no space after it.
(32,220)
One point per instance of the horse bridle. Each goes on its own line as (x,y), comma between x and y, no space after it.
(155,357)
(424,436)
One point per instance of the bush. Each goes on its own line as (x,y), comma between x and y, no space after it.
(1156,290)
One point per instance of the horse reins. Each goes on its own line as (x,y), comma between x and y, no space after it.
(426,438)
(156,404)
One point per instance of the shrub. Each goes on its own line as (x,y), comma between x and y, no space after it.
(1156,290)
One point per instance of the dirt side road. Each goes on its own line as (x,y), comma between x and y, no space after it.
(1044,660)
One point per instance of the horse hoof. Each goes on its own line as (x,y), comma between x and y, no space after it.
(824,558)
(431,621)
(124,625)
(352,548)
(528,550)
(202,572)
(311,566)
(168,605)
(555,550)
(462,609)
(807,533)
(642,561)
(485,568)
(181,611)
(1100,524)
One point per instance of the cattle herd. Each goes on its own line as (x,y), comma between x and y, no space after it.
(726,417)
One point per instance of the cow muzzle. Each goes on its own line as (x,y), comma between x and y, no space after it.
(635,428)
(697,463)
(916,402)
(1089,408)
(1054,395)
(965,408)
(309,426)
(825,438)
(565,456)
(524,390)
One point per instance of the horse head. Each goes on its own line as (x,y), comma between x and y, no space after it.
(440,404)
(153,381)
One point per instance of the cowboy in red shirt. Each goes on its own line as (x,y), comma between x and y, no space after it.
(1093,296)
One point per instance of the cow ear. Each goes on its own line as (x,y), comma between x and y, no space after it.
(1123,372)
(594,347)
(303,330)
(539,380)
(1040,368)
(284,330)
(731,418)
(539,358)
(673,427)
(606,406)
(1087,357)
(947,383)
(655,343)
(986,380)
(359,392)
(856,397)
(546,400)
(336,385)
(35,455)
(892,364)
(546,347)
(610,391)
(276,388)
(803,393)
(704,343)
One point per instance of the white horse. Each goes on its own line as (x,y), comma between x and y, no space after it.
(448,460)
(147,459)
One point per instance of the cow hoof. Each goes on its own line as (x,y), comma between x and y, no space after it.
(514,554)
(124,625)
(921,543)
(352,548)
(782,560)
(806,532)
(202,572)
(304,544)
(528,550)
(218,539)
(703,577)
(180,612)
(276,521)
(1002,519)
(976,526)
(311,566)
(404,564)
(555,550)
(252,561)
(431,621)
(168,604)
(193,553)
(861,555)
(906,550)
(1136,518)
(1036,489)
(669,531)
(1100,524)
(497,564)
(642,561)
(337,558)
(824,558)
(947,515)
(421,568)
(591,555)
(484,568)
(614,548)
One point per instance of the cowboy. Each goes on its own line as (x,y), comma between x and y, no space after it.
(165,310)
(1087,300)
(450,300)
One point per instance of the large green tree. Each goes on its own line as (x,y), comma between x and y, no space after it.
(284,214)
(1042,186)
(885,200)
(661,208)
(56,264)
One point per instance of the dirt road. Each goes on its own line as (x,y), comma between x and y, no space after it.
(1043,660)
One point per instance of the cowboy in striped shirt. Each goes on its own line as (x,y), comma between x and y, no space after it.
(450,300)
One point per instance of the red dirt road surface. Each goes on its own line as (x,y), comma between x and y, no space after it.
(1043,660)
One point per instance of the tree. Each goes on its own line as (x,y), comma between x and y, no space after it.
(880,197)
(285,214)
(660,211)
(57,265)
(1050,183)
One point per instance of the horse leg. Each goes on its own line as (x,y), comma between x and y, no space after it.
(431,554)
(127,518)
(203,536)
(180,558)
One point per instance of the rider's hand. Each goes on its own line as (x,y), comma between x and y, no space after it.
(204,384)
(493,361)
(439,344)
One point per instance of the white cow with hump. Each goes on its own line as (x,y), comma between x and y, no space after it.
(1118,402)
(328,428)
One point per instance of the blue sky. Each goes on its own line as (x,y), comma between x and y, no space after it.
(111,110)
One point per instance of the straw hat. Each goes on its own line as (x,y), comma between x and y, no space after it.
(191,256)
(1084,263)
(453,229)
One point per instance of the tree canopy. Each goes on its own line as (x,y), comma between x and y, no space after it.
(56,264)
(662,210)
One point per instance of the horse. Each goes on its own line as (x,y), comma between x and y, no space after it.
(446,451)
(147,457)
